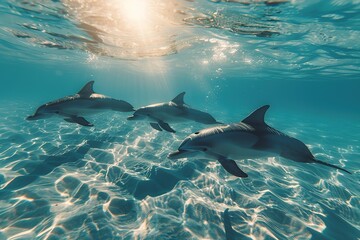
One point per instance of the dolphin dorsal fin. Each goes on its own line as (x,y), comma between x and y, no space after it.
(257,116)
(179,99)
(87,90)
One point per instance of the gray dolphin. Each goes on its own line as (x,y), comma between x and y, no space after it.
(250,138)
(161,114)
(85,102)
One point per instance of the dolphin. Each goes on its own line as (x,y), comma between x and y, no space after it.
(85,102)
(250,138)
(161,114)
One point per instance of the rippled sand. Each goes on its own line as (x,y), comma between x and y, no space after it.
(63,181)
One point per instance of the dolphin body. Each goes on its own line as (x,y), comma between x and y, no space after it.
(250,138)
(85,102)
(161,114)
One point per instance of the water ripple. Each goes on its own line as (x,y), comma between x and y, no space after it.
(257,34)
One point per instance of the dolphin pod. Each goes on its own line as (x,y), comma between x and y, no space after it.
(86,102)
(249,138)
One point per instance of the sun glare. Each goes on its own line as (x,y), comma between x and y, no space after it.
(135,11)
(127,28)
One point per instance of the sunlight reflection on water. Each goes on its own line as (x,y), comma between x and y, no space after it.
(129,29)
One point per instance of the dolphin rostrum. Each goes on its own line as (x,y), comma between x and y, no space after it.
(250,138)
(85,102)
(161,114)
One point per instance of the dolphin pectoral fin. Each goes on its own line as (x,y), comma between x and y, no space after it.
(166,126)
(155,126)
(232,168)
(79,120)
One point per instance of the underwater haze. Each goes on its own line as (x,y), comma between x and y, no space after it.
(61,180)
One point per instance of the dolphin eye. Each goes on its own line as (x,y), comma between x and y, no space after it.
(197,133)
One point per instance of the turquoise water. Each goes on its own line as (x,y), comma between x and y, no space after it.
(59,180)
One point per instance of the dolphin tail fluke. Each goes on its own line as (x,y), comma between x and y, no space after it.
(232,168)
(330,165)
(124,106)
